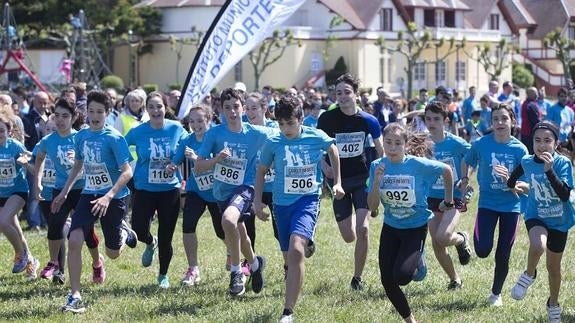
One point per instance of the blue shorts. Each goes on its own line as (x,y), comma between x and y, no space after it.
(242,199)
(299,218)
(111,222)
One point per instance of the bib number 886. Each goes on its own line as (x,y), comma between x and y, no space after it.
(230,173)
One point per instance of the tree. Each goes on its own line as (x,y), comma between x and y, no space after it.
(453,47)
(522,76)
(562,47)
(493,59)
(177,45)
(270,51)
(411,46)
(331,38)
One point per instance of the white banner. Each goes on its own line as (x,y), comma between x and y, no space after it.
(239,27)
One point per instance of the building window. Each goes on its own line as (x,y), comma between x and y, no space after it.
(429,18)
(238,77)
(439,22)
(571,32)
(460,71)
(494,21)
(449,18)
(386,19)
(419,71)
(440,71)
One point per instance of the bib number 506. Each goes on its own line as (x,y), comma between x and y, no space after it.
(301,183)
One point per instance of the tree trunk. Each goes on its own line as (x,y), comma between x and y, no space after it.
(409,72)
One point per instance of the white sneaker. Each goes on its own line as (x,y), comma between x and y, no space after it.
(519,291)
(494,300)
(287,319)
(554,313)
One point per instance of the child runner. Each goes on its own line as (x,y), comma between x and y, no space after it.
(450,150)
(59,147)
(350,127)
(235,146)
(13,195)
(156,190)
(401,182)
(549,214)
(295,153)
(199,194)
(475,127)
(104,156)
(496,154)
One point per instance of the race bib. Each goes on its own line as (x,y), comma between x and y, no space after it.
(97,177)
(205,181)
(398,191)
(7,172)
(350,144)
(157,173)
(49,177)
(231,171)
(300,179)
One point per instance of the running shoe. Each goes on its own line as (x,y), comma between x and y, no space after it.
(74,305)
(32,268)
(148,255)
(163,281)
(257,277)
(309,249)
(287,319)
(20,263)
(246,268)
(519,291)
(59,278)
(463,249)
(356,283)
(191,277)
(553,313)
(49,270)
(129,236)
(99,273)
(237,281)
(495,300)
(454,284)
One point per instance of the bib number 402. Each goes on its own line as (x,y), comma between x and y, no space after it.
(350,148)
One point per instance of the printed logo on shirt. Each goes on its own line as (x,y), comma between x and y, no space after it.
(160,153)
(500,159)
(548,203)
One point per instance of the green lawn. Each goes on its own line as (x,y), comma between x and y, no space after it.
(130,292)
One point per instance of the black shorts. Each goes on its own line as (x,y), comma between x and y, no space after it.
(355,198)
(556,240)
(111,222)
(242,198)
(23,195)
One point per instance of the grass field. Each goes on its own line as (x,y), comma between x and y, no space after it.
(130,292)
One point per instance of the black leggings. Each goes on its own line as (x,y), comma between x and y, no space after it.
(167,205)
(45,211)
(399,254)
(56,221)
(267,199)
(483,241)
(194,207)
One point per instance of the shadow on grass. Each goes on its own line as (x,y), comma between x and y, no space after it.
(463,305)
(16,313)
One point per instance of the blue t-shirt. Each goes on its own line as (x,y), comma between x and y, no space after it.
(493,191)
(200,183)
(297,164)
(563,117)
(310,121)
(468,105)
(61,150)
(155,149)
(475,131)
(543,203)
(450,151)
(12,175)
(404,189)
(48,175)
(103,152)
(240,167)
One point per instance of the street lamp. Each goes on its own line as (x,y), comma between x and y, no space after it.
(130,60)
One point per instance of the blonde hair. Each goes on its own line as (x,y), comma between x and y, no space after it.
(7,115)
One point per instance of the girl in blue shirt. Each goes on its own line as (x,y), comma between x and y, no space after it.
(549,214)
(13,194)
(198,191)
(54,160)
(401,183)
(495,155)
(156,190)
